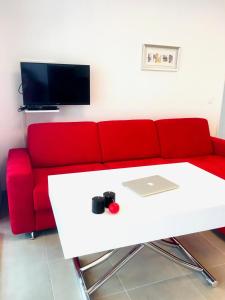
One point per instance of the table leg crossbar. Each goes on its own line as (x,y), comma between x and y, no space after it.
(193,265)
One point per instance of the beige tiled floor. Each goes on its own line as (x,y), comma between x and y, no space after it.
(36,270)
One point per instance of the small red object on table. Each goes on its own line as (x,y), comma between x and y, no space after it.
(114,208)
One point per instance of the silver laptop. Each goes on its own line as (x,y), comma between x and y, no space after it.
(150,185)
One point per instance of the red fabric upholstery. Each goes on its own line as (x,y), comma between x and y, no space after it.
(19,182)
(40,192)
(44,219)
(60,144)
(214,164)
(221,230)
(126,140)
(218,146)
(134,163)
(184,137)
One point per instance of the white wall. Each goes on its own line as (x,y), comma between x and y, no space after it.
(108,35)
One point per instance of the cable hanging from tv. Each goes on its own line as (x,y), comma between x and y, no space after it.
(20,90)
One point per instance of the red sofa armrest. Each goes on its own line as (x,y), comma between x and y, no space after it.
(218,146)
(19,182)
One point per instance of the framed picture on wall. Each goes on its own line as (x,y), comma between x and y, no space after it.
(160,58)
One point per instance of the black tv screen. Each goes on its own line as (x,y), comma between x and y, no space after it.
(55,84)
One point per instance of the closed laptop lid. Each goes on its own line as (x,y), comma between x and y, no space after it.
(150,185)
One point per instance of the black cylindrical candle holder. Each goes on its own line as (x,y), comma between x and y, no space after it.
(98,205)
(109,198)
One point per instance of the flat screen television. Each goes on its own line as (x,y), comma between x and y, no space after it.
(55,84)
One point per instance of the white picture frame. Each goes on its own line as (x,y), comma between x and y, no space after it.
(160,58)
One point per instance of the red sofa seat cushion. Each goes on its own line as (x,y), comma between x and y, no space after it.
(60,144)
(184,137)
(134,163)
(214,164)
(40,192)
(128,139)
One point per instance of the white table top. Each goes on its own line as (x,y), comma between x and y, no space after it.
(197,205)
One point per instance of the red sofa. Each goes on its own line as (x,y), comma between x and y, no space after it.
(57,148)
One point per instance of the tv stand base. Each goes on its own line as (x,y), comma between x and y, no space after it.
(38,108)
(42,107)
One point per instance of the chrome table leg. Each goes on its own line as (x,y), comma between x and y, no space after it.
(83,287)
(99,260)
(211,280)
(115,268)
(195,265)
(32,235)
(86,292)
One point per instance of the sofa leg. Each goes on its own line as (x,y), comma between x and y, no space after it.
(32,235)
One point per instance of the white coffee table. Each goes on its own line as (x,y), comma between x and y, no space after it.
(197,205)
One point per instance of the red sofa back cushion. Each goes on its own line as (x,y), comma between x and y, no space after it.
(58,144)
(128,139)
(184,137)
